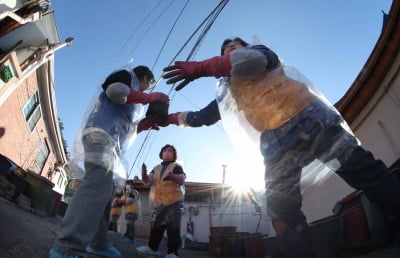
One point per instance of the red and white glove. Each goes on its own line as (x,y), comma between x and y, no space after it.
(136,96)
(174,118)
(147,123)
(188,71)
(120,203)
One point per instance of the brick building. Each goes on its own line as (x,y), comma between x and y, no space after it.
(31,136)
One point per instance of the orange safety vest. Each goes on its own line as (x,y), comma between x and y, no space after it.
(271,99)
(133,207)
(115,210)
(165,192)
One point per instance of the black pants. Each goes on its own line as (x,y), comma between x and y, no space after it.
(167,218)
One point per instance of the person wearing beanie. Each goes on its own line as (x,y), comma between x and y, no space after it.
(166,194)
(109,126)
(299,133)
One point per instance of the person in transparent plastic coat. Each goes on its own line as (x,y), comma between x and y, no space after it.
(296,126)
(110,124)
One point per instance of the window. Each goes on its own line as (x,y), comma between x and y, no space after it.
(31,111)
(201,197)
(42,155)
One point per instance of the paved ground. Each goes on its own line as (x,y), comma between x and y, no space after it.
(24,234)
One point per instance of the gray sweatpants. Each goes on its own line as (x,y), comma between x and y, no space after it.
(86,219)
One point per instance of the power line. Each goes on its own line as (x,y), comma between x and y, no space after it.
(209,20)
(146,17)
(169,34)
(150,27)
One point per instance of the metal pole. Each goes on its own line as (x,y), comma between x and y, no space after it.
(223,182)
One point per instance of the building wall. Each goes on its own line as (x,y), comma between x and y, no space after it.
(373,119)
(206,215)
(378,125)
(19,143)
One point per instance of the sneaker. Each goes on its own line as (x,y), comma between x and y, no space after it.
(128,240)
(147,250)
(110,252)
(54,253)
(171,255)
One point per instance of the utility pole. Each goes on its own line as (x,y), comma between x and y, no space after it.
(223,182)
(223,173)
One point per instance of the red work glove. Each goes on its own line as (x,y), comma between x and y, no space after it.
(145,177)
(120,202)
(136,96)
(147,124)
(172,119)
(188,71)
(174,177)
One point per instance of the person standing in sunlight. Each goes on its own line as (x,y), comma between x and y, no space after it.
(166,194)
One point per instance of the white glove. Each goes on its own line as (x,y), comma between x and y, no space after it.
(118,92)
(247,63)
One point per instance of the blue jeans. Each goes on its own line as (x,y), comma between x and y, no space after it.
(317,133)
(86,219)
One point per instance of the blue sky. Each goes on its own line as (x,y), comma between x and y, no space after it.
(328,41)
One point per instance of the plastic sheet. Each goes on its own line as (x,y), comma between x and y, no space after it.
(122,134)
(255,110)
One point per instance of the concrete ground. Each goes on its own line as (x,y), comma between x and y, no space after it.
(25,234)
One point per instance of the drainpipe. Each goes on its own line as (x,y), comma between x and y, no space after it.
(33,17)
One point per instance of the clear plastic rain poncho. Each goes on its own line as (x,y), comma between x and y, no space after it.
(117,121)
(279,120)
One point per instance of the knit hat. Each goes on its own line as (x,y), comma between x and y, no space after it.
(119,76)
(237,40)
(173,148)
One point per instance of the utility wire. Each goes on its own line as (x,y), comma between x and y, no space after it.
(209,20)
(150,27)
(216,10)
(134,32)
(149,132)
(169,34)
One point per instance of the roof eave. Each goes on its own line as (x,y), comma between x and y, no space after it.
(374,71)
